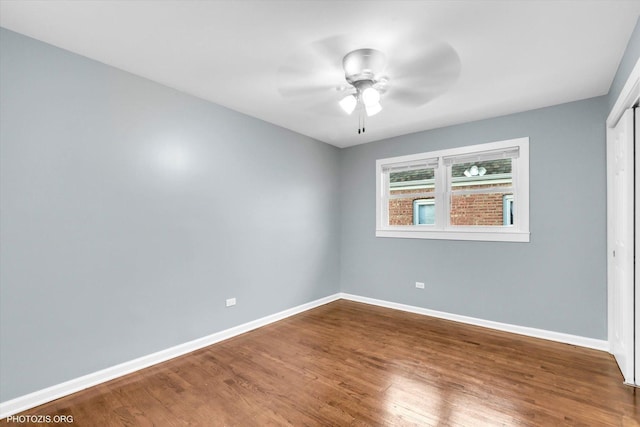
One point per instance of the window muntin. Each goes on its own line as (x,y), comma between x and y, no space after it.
(477,191)
(405,187)
(424,195)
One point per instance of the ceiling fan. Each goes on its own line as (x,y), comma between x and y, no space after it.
(363,71)
(408,75)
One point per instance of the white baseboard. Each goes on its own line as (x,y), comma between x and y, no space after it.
(31,400)
(48,394)
(521,330)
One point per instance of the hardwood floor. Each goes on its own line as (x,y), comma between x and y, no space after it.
(352,364)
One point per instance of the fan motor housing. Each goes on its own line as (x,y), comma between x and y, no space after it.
(363,64)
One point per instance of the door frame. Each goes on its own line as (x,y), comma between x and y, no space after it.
(628,98)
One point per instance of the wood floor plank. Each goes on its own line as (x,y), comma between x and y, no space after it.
(352,364)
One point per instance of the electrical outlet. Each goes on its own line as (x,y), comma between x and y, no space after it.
(231,301)
(419,285)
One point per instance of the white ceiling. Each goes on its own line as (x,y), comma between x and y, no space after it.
(514,55)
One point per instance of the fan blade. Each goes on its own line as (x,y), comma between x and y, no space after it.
(304,67)
(328,109)
(314,75)
(298,91)
(319,62)
(310,97)
(332,50)
(308,90)
(410,97)
(420,75)
(434,55)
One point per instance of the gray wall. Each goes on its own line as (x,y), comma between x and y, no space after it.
(556,282)
(130,212)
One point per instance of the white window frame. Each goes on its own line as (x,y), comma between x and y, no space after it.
(518,232)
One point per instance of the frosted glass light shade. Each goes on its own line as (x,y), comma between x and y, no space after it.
(348,103)
(373,109)
(370,96)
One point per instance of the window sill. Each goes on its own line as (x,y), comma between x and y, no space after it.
(487,236)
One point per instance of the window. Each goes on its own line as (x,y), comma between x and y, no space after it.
(479,192)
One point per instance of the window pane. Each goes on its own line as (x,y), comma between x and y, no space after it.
(481,193)
(481,174)
(405,188)
(481,209)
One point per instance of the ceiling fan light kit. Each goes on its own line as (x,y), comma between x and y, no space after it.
(348,103)
(370,96)
(373,109)
(363,71)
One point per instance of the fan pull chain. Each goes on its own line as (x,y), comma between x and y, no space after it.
(361,119)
